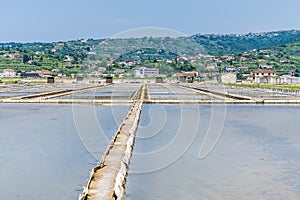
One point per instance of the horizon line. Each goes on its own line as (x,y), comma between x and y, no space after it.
(112,37)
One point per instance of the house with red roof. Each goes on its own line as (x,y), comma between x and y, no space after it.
(186,76)
(265,76)
(250,77)
(9,73)
(44,73)
(264,73)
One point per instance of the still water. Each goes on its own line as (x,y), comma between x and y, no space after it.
(47,151)
(257,154)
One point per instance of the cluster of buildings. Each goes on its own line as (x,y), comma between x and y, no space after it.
(33,74)
(11,55)
(262,76)
(271,77)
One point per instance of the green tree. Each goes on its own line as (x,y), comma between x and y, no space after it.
(26,58)
(240,76)
(297,73)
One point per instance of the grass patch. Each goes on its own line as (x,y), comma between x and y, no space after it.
(267,86)
(8,81)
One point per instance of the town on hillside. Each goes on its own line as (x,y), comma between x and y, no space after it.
(276,60)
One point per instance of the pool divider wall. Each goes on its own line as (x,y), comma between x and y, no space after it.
(118,187)
(217,94)
(50,95)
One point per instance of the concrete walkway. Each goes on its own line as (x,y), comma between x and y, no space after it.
(107,180)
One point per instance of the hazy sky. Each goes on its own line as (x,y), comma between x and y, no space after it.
(53,20)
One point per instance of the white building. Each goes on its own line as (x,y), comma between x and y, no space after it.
(265,76)
(9,73)
(12,55)
(228,78)
(286,79)
(145,72)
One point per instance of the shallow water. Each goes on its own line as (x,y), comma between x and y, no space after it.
(257,155)
(47,151)
(108,92)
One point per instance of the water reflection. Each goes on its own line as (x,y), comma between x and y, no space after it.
(42,156)
(257,157)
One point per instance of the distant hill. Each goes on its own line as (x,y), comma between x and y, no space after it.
(147,54)
(197,44)
(226,44)
(200,43)
(71,57)
(162,47)
(291,49)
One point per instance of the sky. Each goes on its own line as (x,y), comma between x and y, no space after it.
(61,20)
